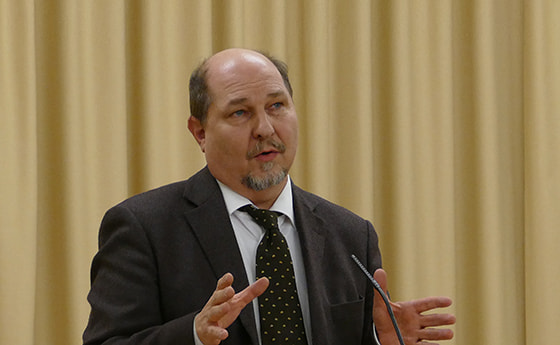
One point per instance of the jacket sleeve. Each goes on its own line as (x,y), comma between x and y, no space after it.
(124,294)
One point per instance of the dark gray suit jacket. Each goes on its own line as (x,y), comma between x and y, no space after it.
(161,253)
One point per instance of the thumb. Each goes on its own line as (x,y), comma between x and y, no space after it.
(381,277)
(381,316)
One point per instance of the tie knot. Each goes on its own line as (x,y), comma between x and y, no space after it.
(265,218)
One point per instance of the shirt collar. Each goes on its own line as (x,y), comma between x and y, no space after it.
(283,204)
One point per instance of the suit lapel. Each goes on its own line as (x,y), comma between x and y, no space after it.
(211,224)
(310,229)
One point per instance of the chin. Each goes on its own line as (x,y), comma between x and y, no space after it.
(266,180)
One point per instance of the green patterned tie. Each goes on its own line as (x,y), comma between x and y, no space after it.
(279,308)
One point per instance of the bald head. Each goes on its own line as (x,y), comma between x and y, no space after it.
(227,62)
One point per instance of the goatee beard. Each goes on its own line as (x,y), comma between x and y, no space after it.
(267,181)
(270,178)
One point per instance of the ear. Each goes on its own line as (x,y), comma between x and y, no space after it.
(197,130)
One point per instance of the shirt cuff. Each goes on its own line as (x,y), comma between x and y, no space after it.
(195,335)
(375,338)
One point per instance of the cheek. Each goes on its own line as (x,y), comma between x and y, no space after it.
(288,133)
(225,146)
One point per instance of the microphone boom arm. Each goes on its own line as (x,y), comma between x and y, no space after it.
(383,295)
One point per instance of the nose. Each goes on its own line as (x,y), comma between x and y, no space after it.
(263,127)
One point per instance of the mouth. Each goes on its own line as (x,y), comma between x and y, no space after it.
(266,151)
(266,156)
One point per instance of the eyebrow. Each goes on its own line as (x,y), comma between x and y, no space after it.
(242,100)
(276,94)
(237,101)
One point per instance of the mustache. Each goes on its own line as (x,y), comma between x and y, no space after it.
(261,145)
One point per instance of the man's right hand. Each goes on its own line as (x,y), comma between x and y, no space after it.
(223,308)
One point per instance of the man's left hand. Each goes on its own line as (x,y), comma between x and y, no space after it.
(415,326)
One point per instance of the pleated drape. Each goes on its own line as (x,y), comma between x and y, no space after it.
(541,125)
(437,120)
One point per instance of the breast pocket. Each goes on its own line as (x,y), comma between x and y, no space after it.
(348,322)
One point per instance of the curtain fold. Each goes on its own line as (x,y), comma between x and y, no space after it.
(437,120)
(18,161)
(542,164)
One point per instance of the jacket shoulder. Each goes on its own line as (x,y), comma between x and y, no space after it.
(322,206)
(170,196)
(159,197)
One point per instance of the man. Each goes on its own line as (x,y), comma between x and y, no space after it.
(177,265)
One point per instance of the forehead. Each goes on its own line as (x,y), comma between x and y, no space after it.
(243,76)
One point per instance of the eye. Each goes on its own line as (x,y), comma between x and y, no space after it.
(277,105)
(238,113)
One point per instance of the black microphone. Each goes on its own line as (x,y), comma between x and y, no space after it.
(383,295)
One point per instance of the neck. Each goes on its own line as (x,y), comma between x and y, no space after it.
(264,198)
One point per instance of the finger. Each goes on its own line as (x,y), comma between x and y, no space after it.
(227,301)
(217,333)
(435,334)
(221,296)
(434,320)
(216,312)
(224,291)
(208,331)
(429,303)
(252,291)
(224,281)
(213,335)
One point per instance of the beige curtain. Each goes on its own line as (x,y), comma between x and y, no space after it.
(438,120)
